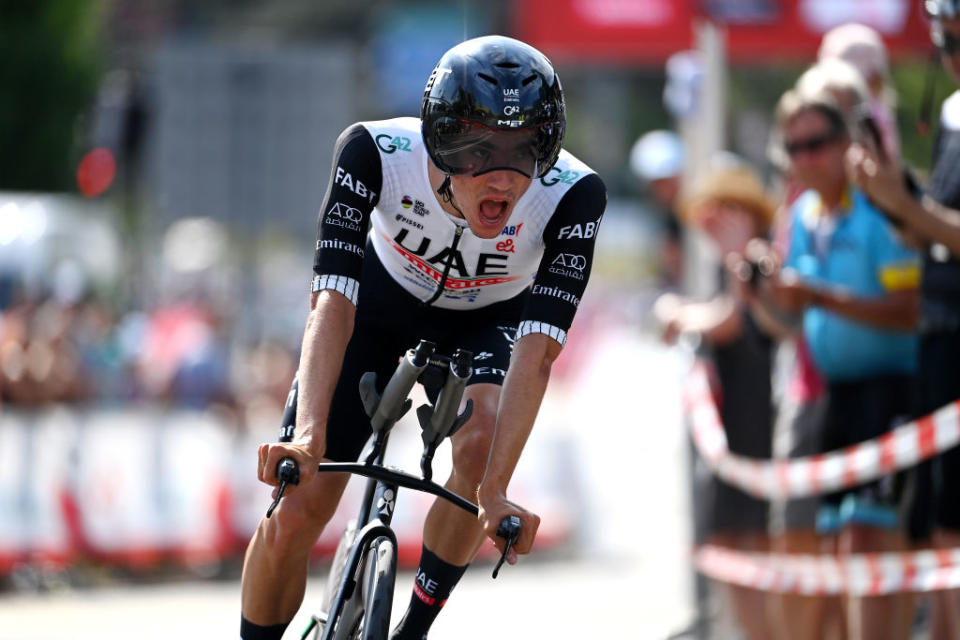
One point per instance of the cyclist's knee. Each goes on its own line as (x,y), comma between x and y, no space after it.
(301,517)
(471,447)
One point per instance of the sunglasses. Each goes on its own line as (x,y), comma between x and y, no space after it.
(810,145)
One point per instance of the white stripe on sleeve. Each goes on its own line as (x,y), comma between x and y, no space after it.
(347,286)
(535,326)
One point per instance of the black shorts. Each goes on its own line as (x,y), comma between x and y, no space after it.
(939,384)
(864,410)
(388,322)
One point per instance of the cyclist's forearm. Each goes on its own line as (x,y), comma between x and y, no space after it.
(523,391)
(325,338)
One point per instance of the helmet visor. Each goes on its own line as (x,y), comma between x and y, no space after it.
(470,148)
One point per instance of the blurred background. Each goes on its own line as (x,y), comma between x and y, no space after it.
(162,168)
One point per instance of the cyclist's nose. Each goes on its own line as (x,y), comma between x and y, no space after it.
(503,180)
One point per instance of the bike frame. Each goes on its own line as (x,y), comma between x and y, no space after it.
(374,518)
(376,509)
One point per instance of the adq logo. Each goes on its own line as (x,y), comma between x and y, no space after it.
(570,261)
(344,212)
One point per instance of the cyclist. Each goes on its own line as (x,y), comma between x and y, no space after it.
(481,234)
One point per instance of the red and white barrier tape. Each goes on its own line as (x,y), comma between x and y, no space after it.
(862,574)
(903,447)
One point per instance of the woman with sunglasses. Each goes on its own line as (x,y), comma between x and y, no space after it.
(853,285)
(934,221)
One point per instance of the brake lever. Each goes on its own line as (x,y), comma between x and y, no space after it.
(509,530)
(287,473)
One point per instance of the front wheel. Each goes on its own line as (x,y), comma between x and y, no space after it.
(347,624)
(379,577)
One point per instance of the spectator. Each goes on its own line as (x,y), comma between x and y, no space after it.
(934,220)
(798,429)
(862,47)
(838,79)
(731,205)
(657,159)
(855,285)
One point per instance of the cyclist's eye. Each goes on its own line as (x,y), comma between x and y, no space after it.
(479,153)
(523,153)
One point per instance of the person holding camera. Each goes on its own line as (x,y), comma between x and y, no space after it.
(730,204)
(933,221)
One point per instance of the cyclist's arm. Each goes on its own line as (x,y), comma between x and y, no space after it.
(520,400)
(555,295)
(351,195)
(329,327)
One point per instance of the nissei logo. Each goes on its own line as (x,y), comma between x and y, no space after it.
(405,220)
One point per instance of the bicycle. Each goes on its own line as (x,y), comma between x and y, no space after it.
(359,595)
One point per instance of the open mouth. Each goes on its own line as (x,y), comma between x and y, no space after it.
(493,211)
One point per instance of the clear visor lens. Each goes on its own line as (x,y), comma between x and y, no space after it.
(468,148)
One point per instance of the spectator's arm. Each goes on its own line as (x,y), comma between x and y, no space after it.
(896,310)
(933,222)
(882,180)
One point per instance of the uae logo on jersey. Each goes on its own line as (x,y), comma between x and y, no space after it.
(490,268)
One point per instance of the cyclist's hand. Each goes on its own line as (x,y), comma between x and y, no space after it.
(270,454)
(495,508)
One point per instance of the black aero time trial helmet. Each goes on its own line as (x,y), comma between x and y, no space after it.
(493,103)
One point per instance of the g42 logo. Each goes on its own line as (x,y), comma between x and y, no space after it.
(566,177)
(389,144)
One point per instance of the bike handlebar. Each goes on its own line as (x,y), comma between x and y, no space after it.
(399,478)
(288,473)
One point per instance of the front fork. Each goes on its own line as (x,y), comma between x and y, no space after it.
(380,513)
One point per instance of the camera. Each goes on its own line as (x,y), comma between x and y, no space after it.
(753,270)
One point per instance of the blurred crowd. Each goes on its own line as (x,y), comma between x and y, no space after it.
(57,349)
(836,318)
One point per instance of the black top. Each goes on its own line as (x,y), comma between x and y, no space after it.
(744,368)
(941,279)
